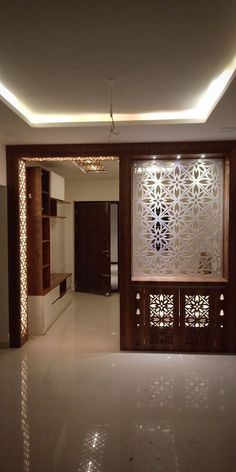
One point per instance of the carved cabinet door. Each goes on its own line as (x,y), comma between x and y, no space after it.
(202,318)
(178,319)
(156,321)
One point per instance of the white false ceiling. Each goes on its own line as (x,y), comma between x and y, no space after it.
(57,59)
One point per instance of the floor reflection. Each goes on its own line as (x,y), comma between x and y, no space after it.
(196,393)
(161,392)
(93,449)
(68,405)
(24,413)
(191,392)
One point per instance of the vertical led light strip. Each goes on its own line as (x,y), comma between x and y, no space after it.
(23,248)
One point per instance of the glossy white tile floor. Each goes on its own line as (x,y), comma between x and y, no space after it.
(71,402)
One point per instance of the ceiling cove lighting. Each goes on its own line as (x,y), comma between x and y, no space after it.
(88,164)
(93,164)
(199,114)
(72,159)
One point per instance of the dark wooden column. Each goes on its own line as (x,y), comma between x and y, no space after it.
(126,330)
(230,329)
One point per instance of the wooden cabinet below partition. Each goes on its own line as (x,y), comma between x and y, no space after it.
(179,318)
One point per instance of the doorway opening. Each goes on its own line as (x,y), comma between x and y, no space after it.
(50,244)
(96,247)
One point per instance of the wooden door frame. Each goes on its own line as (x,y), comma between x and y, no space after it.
(127,152)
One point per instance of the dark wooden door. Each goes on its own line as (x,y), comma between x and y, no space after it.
(92,247)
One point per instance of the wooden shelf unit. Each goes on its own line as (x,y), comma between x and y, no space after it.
(40,208)
(57,279)
(38,229)
(54,202)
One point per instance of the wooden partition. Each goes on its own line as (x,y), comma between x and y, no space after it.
(215,338)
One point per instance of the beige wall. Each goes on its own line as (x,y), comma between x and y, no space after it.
(3,177)
(84,190)
(57,246)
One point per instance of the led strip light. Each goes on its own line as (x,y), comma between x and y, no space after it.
(205,105)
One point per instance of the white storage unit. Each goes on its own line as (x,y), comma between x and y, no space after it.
(57,186)
(49,292)
(44,310)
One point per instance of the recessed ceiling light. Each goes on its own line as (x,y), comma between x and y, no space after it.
(178,156)
(203,155)
(154,157)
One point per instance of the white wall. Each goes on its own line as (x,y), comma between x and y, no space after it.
(57,245)
(4,312)
(3,176)
(84,191)
(114,233)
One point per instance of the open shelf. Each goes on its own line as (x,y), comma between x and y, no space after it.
(45,204)
(45,180)
(60,201)
(45,229)
(40,209)
(46,276)
(46,253)
(57,279)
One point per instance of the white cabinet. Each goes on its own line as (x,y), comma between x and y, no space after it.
(57,186)
(43,310)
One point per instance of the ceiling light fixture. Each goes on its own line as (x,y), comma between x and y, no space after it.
(178,157)
(93,164)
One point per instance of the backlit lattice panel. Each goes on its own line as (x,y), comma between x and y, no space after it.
(197,311)
(177,217)
(161,311)
(23,246)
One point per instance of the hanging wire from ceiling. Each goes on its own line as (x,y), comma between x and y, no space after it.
(113,128)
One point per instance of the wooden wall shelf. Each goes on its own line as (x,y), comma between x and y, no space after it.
(56,279)
(54,209)
(60,201)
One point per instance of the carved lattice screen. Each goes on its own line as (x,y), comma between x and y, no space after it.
(177,214)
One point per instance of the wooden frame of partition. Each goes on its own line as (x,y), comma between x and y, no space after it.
(126,153)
